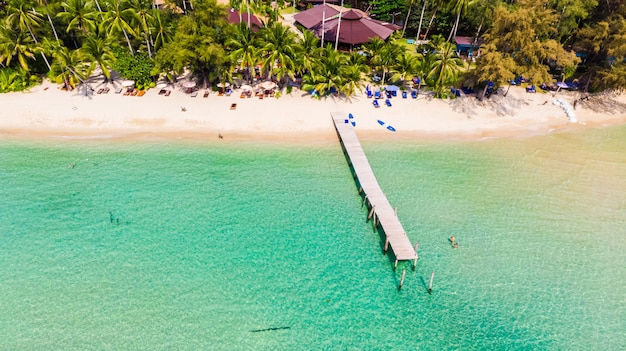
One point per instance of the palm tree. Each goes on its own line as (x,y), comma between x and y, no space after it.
(387,57)
(79,16)
(98,50)
(279,51)
(118,19)
(446,68)
(326,76)
(68,66)
(143,21)
(309,52)
(16,45)
(243,50)
(459,7)
(163,31)
(405,66)
(19,16)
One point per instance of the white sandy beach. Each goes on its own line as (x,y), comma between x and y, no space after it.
(47,111)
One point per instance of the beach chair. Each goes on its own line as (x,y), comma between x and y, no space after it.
(233,106)
(375,103)
(414,94)
(388,102)
(404,95)
(369,94)
(194,94)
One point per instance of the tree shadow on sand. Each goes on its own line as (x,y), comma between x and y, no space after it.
(603,103)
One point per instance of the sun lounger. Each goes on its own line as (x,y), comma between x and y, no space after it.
(531,89)
(118,90)
(167,93)
(141,93)
(369,94)
(414,94)
(206,94)
(375,103)
(233,106)
(100,91)
(105,90)
(404,95)
(377,95)
(194,94)
(133,93)
(388,102)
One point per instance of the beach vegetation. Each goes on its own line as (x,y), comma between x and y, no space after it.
(542,41)
(17,79)
(139,67)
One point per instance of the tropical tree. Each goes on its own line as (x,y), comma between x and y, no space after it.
(16,45)
(387,57)
(493,66)
(242,49)
(118,20)
(309,52)
(525,36)
(163,30)
(99,51)
(405,66)
(604,45)
(79,16)
(278,51)
(325,77)
(142,21)
(22,18)
(458,7)
(68,66)
(446,68)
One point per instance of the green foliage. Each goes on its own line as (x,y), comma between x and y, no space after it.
(16,80)
(138,68)
(521,42)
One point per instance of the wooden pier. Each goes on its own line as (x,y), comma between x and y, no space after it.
(380,210)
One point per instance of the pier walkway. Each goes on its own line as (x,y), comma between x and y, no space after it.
(380,210)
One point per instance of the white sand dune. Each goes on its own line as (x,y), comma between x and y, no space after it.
(48,111)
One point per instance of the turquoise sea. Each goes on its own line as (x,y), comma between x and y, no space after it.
(227,245)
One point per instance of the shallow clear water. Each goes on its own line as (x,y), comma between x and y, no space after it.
(187,246)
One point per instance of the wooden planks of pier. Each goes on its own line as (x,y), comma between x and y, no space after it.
(380,210)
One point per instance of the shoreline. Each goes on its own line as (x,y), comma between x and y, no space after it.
(48,112)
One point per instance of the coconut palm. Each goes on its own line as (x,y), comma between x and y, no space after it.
(99,51)
(405,66)
(22,18)
(16,45)
(163,30)
(68,66)
(242,49)
(79,16)
(458,7)
(446,68)
(142,21)
(325,76)
(118,19)
(388,56)
(308,52)
(278,51)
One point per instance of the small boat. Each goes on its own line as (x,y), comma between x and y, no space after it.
(389,127)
